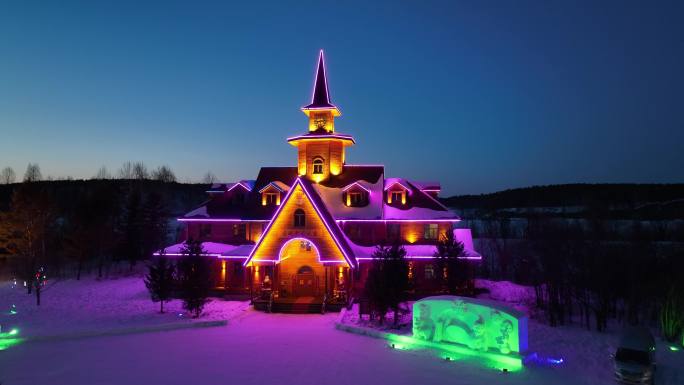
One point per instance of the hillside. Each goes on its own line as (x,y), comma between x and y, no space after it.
(644,201)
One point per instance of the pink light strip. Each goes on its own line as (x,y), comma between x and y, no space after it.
(318,253)
(418,257)
(398,220)
(239,184)
(181,254)
(357,184)
(221,220)
(327,225)
(400,184)
(334,136)
(271,184)
(430,190)
(287,197)
(232,257)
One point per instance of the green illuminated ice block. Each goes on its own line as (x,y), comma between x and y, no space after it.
(480,325)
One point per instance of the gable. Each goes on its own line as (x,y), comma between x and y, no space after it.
(319,229)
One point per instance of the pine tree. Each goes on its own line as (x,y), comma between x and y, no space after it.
(452,269)
(387,281)
(160,280)
(194,277)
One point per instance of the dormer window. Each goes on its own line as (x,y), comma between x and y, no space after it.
(318,166)
(356,195)
(396,193)
(272,193)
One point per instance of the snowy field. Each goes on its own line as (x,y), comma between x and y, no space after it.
(259,348)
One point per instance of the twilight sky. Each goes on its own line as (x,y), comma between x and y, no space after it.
(481,95)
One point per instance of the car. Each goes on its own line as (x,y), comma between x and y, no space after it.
(635,357)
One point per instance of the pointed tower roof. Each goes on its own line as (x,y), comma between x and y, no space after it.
(320,98)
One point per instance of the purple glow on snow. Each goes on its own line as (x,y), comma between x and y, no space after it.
(357,184)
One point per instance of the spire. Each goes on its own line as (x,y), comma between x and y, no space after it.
(320,98)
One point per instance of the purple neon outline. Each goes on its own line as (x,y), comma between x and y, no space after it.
(400,220)
(321,60)
(424,257)
(435,200)
(271,184)
(400,184)
(156,253)
(318,253)
(236,184)
(325,136)
(282,204)
(355,183)
(220,220)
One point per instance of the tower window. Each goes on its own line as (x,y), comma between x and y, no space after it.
(318,166)
(299,220)
(397,197)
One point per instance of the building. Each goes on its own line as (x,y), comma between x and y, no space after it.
(306,233)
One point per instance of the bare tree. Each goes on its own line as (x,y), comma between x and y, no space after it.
(7,176)
(209,178)
(164,174)
(140,171)
(126,171)
(33,173)
(102,173)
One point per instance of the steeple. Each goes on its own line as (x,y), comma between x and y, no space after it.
(320,97)
(321,150)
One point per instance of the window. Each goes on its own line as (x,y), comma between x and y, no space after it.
(431,231)
(429,271)
(318,166)
(393,231)
(239,230)
(271,198)
(355,198)
(397,197)
(299,218)
(205,231)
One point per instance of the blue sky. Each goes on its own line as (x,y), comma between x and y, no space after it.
(481,95)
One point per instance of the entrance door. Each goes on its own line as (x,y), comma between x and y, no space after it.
(305,282)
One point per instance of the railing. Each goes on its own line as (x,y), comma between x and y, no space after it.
(325,299)
(269,307)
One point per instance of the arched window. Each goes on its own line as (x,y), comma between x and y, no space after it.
(305,270)
(299,218)
(318,166)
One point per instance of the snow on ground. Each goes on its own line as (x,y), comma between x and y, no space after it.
(72,306)
(260,348)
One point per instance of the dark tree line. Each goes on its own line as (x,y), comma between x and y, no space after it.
(582,272)
(91,228)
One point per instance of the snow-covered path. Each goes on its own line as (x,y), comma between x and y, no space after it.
(255,348)
(259,348)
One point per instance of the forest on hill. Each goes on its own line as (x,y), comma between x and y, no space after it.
(627,201)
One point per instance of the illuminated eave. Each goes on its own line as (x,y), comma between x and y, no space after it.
(334,110)
(347,140)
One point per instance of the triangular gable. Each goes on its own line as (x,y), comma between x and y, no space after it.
(328,237)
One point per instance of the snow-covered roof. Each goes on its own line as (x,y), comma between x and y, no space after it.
(332,197)
(278,185)
(211,249)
